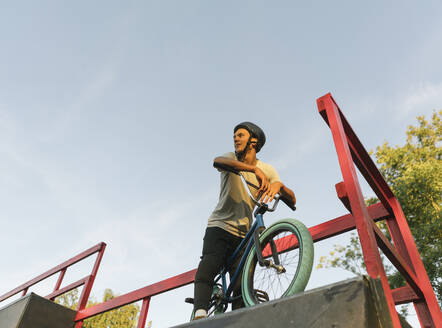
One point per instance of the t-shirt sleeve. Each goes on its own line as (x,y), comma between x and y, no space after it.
(228,155)
(273,175)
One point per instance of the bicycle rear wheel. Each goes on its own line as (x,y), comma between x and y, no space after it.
(292,259)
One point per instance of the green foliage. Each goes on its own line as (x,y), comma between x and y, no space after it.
(69,299)
(124,317)
(349,257)
(414,173)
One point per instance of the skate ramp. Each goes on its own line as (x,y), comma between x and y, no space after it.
(33,311)
(353,303)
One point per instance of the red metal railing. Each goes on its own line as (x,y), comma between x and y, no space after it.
(87,281)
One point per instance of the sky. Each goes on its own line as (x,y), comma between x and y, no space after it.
(111,113)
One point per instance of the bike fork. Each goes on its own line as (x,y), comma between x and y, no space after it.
(267,263)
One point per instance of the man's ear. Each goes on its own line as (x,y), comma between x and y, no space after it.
(253,142)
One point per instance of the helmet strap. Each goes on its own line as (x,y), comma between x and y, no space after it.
(242,154)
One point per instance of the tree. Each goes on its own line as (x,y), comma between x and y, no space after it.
(124,317)
(414,173)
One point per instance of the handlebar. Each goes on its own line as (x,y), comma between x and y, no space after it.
(277,197)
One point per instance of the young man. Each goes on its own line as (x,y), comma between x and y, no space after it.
(232,217)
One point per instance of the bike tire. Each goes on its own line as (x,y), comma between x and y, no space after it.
(297,261)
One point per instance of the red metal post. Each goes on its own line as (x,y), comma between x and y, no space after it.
(90,281)
(143,313)
(60,279)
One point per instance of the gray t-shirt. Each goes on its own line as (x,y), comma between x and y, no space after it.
(234,210)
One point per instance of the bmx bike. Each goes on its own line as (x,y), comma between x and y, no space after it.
(274,262)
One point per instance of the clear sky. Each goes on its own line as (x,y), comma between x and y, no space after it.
(111,113)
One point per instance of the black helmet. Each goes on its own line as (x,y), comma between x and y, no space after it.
(255,131)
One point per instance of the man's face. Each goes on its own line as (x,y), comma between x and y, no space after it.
(240,138)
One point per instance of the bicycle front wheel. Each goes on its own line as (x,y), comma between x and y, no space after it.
(287,250)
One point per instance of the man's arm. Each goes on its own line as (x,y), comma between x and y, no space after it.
(283,190)
(241,166)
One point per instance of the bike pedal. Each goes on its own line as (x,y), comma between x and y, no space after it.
(188,300)
(261,295)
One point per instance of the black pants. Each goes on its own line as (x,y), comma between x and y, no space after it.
(218,246)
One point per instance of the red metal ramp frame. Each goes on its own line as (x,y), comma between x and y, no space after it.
(404,254)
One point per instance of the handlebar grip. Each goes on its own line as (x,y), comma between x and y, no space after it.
(289,203)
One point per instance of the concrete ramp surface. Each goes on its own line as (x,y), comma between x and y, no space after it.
(33,311)
(353,303)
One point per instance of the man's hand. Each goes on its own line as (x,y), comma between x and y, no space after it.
(274,189)
(263,181)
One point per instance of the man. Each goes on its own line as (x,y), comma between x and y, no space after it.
(232,216)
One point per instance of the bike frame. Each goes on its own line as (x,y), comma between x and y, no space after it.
(252,237)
